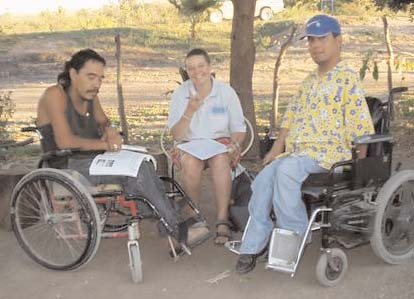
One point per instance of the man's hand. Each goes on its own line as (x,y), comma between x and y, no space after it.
(194,104)
(113,139)
(234,152)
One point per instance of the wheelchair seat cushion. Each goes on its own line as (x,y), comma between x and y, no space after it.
(324,179)
(318,183)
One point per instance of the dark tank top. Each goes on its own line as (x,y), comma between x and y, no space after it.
(84,126)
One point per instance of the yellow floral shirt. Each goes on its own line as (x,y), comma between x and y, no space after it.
(326,115)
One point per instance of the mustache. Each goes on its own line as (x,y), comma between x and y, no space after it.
(95,90)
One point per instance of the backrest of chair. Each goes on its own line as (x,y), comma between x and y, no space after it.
(378,111)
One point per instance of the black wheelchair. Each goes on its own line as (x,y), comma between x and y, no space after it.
(59,218)
(357,202)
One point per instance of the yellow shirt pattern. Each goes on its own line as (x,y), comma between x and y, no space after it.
(326,115)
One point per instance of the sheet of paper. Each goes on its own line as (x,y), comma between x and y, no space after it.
(134,148)
(125,163)
(203,149)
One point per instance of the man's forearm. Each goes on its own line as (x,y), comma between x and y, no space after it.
(179,130)
(361,150)
(103,126)
(279,145)
(238,138)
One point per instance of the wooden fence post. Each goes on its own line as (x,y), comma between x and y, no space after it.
(121,106)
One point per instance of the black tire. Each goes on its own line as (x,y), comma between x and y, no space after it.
(325,273)
(266,14)
(55,219)
(393,233)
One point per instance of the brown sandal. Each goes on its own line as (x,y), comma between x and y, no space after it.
(220,234)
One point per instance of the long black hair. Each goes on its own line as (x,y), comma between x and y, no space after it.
(77,62)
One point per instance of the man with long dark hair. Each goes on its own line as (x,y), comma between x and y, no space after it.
(70,115)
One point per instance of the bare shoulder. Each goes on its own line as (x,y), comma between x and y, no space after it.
(51,103)
(54,93)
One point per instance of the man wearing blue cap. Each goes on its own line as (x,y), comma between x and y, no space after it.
(317,129)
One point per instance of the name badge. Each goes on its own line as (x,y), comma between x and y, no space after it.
(218,110)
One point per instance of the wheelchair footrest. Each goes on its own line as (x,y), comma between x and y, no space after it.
(284,250)
(233,246)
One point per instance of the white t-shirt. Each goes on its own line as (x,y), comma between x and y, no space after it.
(220,115)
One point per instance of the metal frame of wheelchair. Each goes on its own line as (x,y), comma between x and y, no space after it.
(59,218)
(364,203)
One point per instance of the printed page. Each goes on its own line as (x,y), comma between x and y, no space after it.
(203,149)
(125,163)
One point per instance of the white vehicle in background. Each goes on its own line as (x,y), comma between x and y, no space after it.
(264,9)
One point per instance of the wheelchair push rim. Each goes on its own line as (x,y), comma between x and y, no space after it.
(393,236)
(55,219)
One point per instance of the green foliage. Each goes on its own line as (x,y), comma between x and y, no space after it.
(190,7)
(271,33)
(300,11)
(194,10)
(127,14)
(396,4)
(401,63)
(368,62)
(7,107)
(361,8)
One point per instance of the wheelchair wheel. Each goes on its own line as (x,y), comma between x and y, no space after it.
(393,236)
(331,267)
(135,263)
(55,219)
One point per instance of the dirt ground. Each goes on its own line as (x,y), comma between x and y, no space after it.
(107,275)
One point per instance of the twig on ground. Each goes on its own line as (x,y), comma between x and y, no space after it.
(219,277)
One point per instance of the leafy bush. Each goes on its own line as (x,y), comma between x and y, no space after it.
(361,8)
(6,112)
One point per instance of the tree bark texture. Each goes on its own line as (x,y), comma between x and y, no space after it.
(242,61)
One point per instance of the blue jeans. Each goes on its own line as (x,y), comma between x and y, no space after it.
(278,186)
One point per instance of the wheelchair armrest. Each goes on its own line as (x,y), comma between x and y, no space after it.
(374,138)
(67,152)
(335,166)
(57,153)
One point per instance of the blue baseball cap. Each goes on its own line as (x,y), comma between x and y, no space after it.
(321,25)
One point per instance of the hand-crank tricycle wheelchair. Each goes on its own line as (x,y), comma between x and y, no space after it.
(363,202)
(59,218)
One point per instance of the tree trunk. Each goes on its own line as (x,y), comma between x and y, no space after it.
(242,61)
(121,106)
(275,98)
(390,59)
